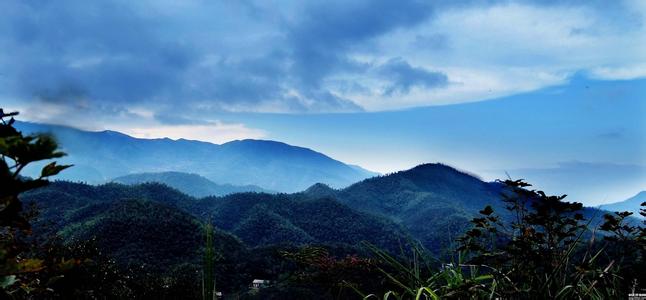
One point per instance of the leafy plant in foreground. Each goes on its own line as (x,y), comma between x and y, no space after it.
(208,274)
(542,248)
(416,277)
(538,252)
(16,152)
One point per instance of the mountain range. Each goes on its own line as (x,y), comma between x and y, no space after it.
(155,212)
(101,156)
(190,184)
(152,224)
(149,199)
(431,203)
(631,204)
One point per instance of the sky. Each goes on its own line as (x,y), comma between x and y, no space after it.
(550,91)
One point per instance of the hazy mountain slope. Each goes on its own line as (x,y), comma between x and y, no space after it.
(632,204)
(101,156)
(190,184)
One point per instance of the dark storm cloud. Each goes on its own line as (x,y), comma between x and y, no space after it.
(222,55)
(102,51)
(325,33)
(118,53)
(403,77)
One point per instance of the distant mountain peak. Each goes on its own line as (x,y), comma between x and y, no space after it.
(99,156)
(115,133)
(439,167)
(632,204)
(259,141)
(320,190)
(431,165)
(189,183)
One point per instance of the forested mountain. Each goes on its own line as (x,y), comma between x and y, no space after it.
(190,184)
(264,219)
(631,204)
(140,228)
(159,229)
(434,202)
(258,219)
(101,156)
(419,189)
(155,232)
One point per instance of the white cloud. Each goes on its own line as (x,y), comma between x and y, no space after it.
(622,73)
(214,132)
(137,121)
(508,49)
(467,85)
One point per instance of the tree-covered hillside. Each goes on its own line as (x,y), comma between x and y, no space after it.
(155,232)
(264,219)
(190,184)
(258,219)
(434,202)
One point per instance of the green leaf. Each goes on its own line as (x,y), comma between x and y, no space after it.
(483,277)
(30,265)
(52,281)
(52,169)
(7,281)
(424,291)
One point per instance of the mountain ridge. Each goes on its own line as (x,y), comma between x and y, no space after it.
(631,204)
(188,183)
(431,203)
(99,156)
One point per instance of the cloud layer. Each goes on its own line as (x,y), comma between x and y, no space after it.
(147,59)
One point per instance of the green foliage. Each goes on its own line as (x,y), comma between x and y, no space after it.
(414,276)
(190,184)
(152,242)
(535,251)
(208,273)
(140,233)
(433,202)
(329,276)
(545,250)
(625,245)
(264,219)
(74,270)
(16,152)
